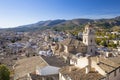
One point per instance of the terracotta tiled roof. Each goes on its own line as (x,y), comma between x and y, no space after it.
(108,64)
(54,61)
(72,42)
(28,65)
(115,59)
(76,73)
(74,46)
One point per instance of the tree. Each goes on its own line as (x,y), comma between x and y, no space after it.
(98,40)
(111,44)
(114,36)
(103,43)
(4,73)
(110,37)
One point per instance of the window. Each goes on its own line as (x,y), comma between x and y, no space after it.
(91,40)
(91,50)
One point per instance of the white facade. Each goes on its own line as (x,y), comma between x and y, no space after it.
(115,33)
(48,70)
(116,41)
(119,49)
(65,49)
(80,62)
(89,39)
(45,53)
(61,77)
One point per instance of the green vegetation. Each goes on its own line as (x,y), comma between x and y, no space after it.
(105,38)
(105,43)
(4,73)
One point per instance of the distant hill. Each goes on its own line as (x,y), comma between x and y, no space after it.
(68,24)
(38,26)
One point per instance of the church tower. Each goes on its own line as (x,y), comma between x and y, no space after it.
(89,39)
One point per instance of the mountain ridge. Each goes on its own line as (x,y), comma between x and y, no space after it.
(68,24)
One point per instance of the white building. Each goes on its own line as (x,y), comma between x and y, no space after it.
(89,39)
(47,70)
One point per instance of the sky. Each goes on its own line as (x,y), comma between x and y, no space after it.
(14,13)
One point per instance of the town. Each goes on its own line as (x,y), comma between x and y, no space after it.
(59,40)
(91,54)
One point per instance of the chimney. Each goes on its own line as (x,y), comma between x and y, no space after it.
(88,67)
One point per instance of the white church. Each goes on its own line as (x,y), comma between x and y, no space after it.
(89,40)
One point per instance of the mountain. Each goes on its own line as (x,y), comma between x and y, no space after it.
(52,24)
(108,23)
(44,23)
(72,24)
(68,24)
(38,26)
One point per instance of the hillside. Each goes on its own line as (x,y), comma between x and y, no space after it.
(68,24)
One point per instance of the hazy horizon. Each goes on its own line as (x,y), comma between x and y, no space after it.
(16,13)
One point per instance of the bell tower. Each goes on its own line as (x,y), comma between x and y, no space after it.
(89,39)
